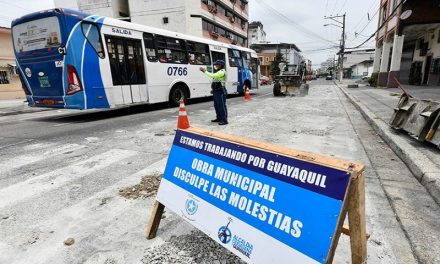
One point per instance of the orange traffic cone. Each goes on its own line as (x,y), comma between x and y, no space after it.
(247,95)
(182,120)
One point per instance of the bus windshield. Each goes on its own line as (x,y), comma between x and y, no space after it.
(38,34)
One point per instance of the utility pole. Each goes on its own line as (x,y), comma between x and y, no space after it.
(342,43)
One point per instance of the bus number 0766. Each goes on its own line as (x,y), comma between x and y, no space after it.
(173,71)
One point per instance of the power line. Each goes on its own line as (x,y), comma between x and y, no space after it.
(321,49)
(14,5)
(362,30)
(379,28)
(360,20)
(299,27)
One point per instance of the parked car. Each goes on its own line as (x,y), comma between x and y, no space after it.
(264,80)
(329,77)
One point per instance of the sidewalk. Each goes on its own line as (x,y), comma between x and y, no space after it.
(377,106)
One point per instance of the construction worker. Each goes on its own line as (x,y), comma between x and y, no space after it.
(218,90)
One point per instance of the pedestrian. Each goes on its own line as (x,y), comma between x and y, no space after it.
(219,91)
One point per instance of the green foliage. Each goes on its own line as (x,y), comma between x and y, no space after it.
(274,69)
(373,79)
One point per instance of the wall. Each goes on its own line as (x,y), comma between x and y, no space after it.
(358,70)
(13,89)
(355,58)
(97,7)
(433,50)
(151,13)
(72,4)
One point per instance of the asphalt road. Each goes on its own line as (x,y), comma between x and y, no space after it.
(34,124)
(61,171)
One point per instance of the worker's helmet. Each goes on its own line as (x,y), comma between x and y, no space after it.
(220,63)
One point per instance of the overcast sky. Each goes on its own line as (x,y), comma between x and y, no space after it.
(301,22)
(292,21)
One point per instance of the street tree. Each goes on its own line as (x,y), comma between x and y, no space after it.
(274,69)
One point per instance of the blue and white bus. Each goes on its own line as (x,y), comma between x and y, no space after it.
(69,59)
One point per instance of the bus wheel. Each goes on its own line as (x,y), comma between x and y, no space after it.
(176,94)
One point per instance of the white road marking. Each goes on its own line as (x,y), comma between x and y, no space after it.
(23,160)
(17,143)
(54,179)
(62,124)
(83,217)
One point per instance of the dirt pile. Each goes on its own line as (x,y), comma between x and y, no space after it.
(146,188)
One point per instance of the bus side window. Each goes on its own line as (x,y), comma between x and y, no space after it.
(198,53)
(150,47)
(231,59)
(93,36)
(235,59)
(171,50)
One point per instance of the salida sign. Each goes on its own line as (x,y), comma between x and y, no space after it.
(263,206)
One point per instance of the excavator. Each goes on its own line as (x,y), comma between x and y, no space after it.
(290,81)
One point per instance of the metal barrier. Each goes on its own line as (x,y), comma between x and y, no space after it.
(418,117)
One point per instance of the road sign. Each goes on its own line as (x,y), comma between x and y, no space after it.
(264,203)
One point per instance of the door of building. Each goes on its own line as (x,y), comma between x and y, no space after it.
(427,68)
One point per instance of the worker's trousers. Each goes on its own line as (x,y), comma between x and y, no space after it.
(221,110)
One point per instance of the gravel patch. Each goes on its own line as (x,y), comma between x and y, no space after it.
(193,248)
(146,188)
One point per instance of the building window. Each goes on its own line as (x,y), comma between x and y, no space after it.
(221,10)
(235,59)
(198,53)
(150,47)
(165,20)
(171,50)
(267,59)
(4,77)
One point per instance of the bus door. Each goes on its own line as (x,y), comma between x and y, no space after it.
(127,70)
(254,67)
(236,73)
(220,56)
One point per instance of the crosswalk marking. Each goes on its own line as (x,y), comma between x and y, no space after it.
(54,179)
(17,162)
(82,217)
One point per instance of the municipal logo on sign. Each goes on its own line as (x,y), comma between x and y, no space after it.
(191,206)
(224,234)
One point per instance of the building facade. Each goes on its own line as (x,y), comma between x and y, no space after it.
(361,70)
(357,63)
(408,43)
(256,33)
(267,52)
(10,85)
(221,20)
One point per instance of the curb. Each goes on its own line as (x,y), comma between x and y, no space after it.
(425,171)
